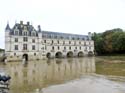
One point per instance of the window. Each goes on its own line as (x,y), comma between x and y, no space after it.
(64,48)
(90,48)
(45,47)
(43,36)
(67,37)
(75,43)
(16,47)
(14,54)
(84,43)
(85,48)
(55,37)
(89,43)
(58,41)
(52,41)
(25,39)
(33,34)
(33,40)
(80,47)
(61,37)
(79,42)
(42,48)
(33,47)
(25,33)
(75,47)
(50,36)
(73,38)
(53,48)
(34,54)
(24,46)
(83,39)
(16,32)
(44,41)
(70,47)
(58,47)
(69,42)
(63,42)
(16,39)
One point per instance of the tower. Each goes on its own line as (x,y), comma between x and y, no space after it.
(89,35)
(39,37)
(7,30)
(7,39)
(39,32)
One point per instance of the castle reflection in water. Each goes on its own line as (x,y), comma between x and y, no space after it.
(40,74)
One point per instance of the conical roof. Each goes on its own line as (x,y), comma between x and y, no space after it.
(7,27)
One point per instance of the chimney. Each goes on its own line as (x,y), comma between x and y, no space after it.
(21,22)
(39,28)
(28,23)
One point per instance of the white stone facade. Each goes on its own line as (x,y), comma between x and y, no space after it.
(23,41)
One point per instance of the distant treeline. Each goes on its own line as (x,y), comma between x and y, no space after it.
(109,42)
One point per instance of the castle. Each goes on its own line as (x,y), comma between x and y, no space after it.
(24,41)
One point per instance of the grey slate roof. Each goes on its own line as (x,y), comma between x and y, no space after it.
(20,27)
(45,34)
(58,35)
(7,27)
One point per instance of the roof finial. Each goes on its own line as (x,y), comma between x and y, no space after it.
(7,22)
(15,21)
(31,23)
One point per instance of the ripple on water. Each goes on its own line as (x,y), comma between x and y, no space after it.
(88,84)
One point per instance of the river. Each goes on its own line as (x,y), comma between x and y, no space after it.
(72,75)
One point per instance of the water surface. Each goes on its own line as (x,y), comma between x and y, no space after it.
(73,75)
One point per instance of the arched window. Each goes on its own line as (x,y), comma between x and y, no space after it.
(25,33)
(33,34)
(75,47)
(16,32)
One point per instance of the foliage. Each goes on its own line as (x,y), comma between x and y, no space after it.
(2,50)
(110,42)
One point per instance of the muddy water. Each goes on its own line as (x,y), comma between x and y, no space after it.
(75,75)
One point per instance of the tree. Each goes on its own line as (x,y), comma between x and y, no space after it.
(110,41)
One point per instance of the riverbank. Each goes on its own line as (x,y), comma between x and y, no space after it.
(1,59)
(110,65)
(111,59)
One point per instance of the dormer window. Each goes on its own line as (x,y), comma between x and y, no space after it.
(16,32)
(33,34)
(25,33)
(25,28)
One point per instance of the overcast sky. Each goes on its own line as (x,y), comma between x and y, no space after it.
(68,16)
